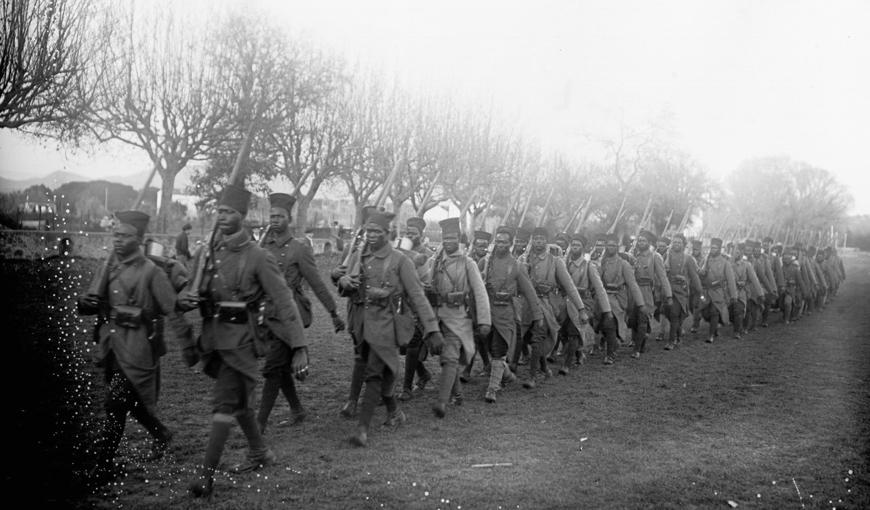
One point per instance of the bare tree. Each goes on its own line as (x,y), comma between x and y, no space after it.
(45,53)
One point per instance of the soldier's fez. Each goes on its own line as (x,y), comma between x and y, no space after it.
(681,237)
(417,222)
(665,240)
(716,242)
(237,198)
(450,229)
(649,236)
(580,238)
(541,231)
(482,234)
(381,218)
(697,243)
(282,200)
(505,230)
(135,219)
(523,235)
(367,211)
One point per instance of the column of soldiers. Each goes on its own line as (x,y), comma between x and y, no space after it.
(512,298)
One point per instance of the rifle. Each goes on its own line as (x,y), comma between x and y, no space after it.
(205,253)
(646,212)
(685,219)
(618,215)
(667,223)
(581,218)
(429,191)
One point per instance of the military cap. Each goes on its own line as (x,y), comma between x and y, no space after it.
(601,238)
(767,239)
(564,236)
(523,235)
(450,229)
(697,243)
(416,222)
(649,236)
(681,237)
(798,246)
(187,226)
(541,231)
(463,239)
(236,197)
(482,234)
(282,200)
(504,229)
(776,248)
(381,218)
(580,238)
(666,240)
(136,219)
(716,242)
(367,211)
(611,238)
(741,246)
(811,250)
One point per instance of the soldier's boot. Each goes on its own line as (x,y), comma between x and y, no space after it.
(202,485)
(569,353)
(465,374)
(395,416)
(456,397)
(534,364)
(411,361)
(162,435)
(348,410)
(370,401)
(445,388)
(496,373)
(259,455)
(485,359)
(288,388)
(271,387)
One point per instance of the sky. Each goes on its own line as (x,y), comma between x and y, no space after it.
(735,79)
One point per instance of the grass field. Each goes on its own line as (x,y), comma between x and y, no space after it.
(780,419)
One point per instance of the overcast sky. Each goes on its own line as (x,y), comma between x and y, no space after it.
(736,79)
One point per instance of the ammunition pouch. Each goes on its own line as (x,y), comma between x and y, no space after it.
(584,293)
(613,288)
(502,298)
(128,316)
(741,285)
(645,282)
(543,289)
(454,299)
(433,297)
(233,312)
(715,285)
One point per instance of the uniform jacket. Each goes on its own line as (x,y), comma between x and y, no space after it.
(506,276)
(136,281)
(587,280)
(371,318)
(747,282)
(296,262)
(552,284)
(649,272)
(719,284)
(776,267)
(682,271)
(457,272)
(622,290)
(794,282)
(241,271)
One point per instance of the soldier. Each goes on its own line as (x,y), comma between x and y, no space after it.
(563,240)
(457,294)
(182,245)
(717,278)
(794,287)
(830,269)
(416,352)
(749,290)
(480,247)
(521,241)
(622,290)
(587,280)
(382,282)
(695,296)
(236,276)
(504,278)
(349,257)
(658,303)
(649,271)
(682,274)
(552,285)
(775,258)
(763,268)
(135,294)
(821,281)
(296,262)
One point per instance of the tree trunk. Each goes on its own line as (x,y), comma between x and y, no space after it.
(302,204)
(163,220)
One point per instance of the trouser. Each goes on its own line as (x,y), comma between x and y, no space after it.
(714,320)
(739,316)
(640,322)
(571,340)
(753,313)
(481,345)
(121,398)
(451,356)
(278,374)
(416,352)
(379,380)
(498,348)
(608,327)
(540,345)
(676,315)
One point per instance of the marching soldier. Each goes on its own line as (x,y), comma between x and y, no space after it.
(622,290)
(417,351)
(563,240)
(695,296)
(503,279)
(717,278)
(296,262)
(135,295)
(458,296)
(682,274)
(382,283)
(822,286)
(749,290)
(236,277)
(794,287)
(480,247)
(552,285)
(763,269)
(587,280)
(649,271)
(521,241)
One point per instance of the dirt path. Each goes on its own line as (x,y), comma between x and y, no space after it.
(780,419)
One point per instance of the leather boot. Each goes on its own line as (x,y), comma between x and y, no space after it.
(271,386)
(288,388)
(203,484)
(445,387)
(259,455)
(495,375)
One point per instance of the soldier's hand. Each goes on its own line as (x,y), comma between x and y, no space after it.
(187,301)
(538,324)
(191,357)
(436,342)
(337,323)
(88,305)
(299,363)
(584,316)
(669,301)
(348,282)
(337,273)
(645,308)
(483,330)
(733,301)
